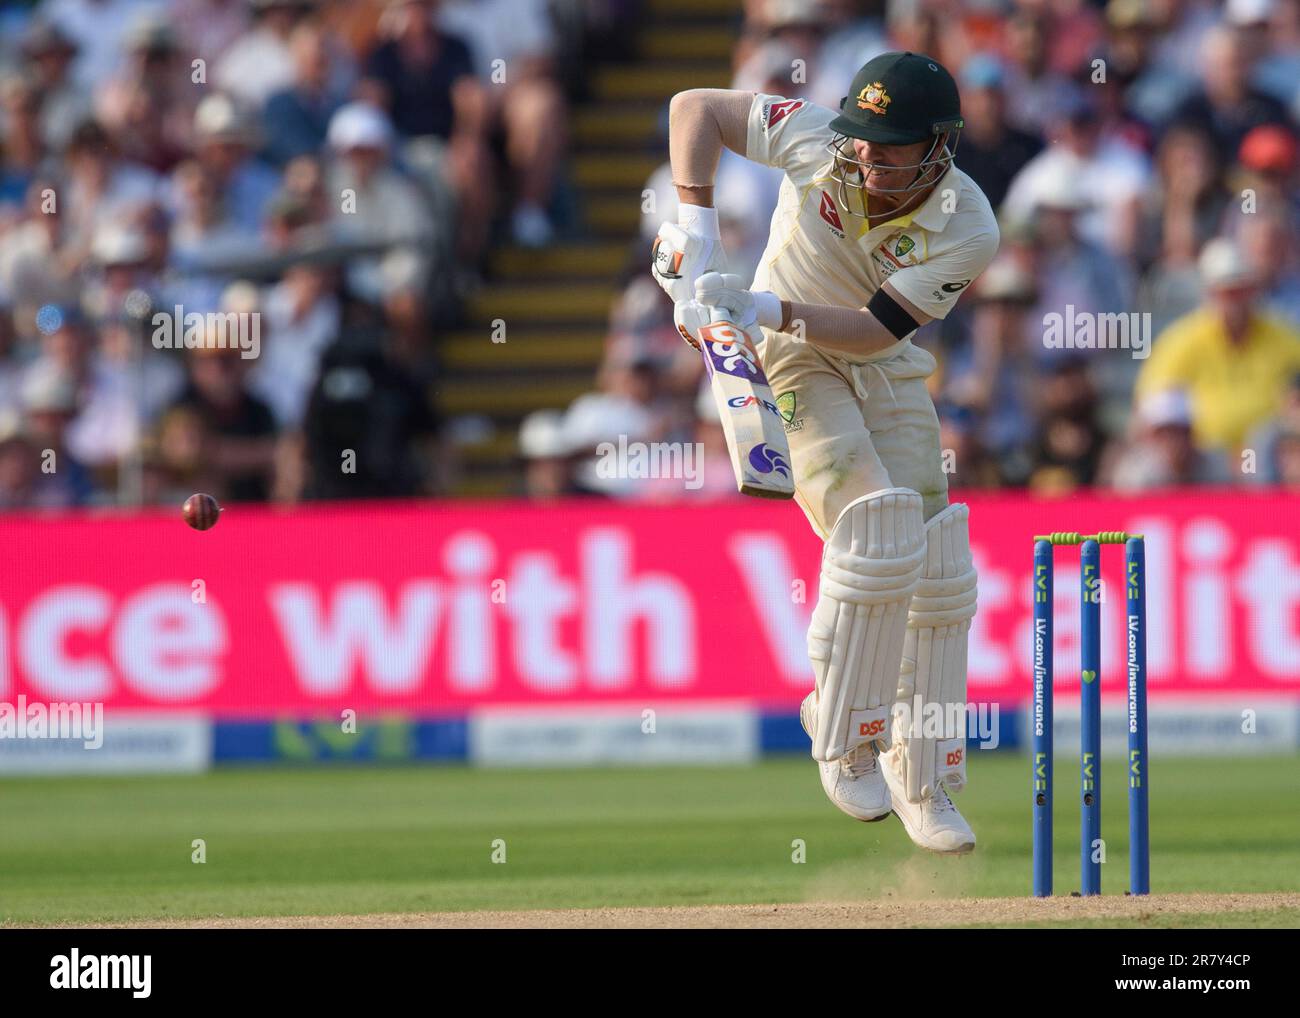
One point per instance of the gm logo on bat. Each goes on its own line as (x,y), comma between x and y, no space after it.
(765,460)
(729,351)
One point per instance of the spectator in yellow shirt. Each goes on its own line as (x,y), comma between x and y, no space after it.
(1233,361)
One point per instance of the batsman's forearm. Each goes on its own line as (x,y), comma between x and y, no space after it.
(841,330)
(700,122)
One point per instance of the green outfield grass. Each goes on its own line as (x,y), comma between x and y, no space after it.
(362,840)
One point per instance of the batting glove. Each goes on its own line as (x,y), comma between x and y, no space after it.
(747,307)
(685,250)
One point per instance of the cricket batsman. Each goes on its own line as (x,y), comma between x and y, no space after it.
(876,232)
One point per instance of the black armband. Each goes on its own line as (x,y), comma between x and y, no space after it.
(891,315)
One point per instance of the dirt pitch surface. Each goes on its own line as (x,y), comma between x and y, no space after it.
(897,913)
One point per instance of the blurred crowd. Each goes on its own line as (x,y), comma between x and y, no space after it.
(1142,157)
(335,173)
(330,173)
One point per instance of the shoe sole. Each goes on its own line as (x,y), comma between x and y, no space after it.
(961,850)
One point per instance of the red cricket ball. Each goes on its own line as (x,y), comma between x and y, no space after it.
(201,511)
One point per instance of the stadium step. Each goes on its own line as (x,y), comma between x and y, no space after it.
(614,216)
(626,172)
(616,126)
(473,350)
(523,305)
(583,260)
(501,448)
(660,81)
(495,485)
(497,398)
(556,302)
(676,42)
(668,10)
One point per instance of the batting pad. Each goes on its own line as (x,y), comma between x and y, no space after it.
(870,567)
(932,679)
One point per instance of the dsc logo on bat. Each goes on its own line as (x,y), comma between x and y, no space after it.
(729,350)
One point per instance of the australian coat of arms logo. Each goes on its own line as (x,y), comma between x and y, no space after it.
(874,98)
(904,245)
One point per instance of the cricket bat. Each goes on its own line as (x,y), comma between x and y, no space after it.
(751,421)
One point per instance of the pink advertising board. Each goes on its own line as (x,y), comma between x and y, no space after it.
(438,607)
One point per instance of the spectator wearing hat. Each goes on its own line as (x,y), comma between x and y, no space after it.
(1268,168)
(546,467)
(49,52)
(387,208)
(992,152)
(1161,453)
(801,26)
(225,143)
(1070,269)
(119,267)
(49,399)
(1232,360)
(623,408)
(1273,29)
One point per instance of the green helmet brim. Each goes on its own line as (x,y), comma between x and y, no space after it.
(884,135)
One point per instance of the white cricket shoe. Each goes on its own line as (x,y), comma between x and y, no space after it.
(934,823)
(853,782)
